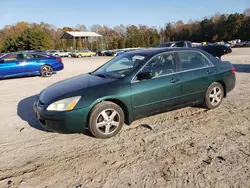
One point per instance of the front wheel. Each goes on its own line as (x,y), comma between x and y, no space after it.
(214,96)
(106,120)
(46,71)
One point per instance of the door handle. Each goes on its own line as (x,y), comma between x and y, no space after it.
(174,80)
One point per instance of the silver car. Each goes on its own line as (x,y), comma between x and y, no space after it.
(59,53)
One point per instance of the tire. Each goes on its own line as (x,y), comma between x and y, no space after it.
(79,56)
(214,96)
(108,126)
(57,55)
(46,71)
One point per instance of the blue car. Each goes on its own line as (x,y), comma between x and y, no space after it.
(19,64)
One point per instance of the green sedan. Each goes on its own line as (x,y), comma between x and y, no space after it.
(133,85)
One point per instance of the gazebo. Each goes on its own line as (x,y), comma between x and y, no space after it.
(80,35)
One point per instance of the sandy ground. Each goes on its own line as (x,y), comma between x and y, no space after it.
(190,147)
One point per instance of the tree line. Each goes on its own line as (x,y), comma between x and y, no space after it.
(44,36)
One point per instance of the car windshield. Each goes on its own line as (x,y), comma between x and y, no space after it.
(120,66)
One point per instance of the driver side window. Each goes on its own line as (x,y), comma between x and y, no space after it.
(162,64)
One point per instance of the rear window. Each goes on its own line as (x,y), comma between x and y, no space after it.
(193,60)
(34,56)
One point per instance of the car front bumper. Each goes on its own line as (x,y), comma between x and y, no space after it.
(66,122)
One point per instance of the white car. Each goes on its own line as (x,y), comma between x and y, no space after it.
(59,53)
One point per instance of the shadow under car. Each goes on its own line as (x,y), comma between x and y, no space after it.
(26,113)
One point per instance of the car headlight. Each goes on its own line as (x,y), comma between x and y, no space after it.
(64,104)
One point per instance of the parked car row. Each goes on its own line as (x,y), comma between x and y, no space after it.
(242,44)
(237,43)
(115,52)
(72,53)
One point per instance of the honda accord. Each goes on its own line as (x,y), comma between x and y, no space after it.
(133,85)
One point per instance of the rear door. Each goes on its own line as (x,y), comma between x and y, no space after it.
(34,62)
(197,73)
(161,92)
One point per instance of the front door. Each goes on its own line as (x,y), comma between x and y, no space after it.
(11,65)
(197,74)
(162,91)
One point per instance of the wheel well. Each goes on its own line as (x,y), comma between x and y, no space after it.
(48,65)
(224,87)
(122,106)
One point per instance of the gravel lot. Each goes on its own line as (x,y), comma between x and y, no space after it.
(190,147)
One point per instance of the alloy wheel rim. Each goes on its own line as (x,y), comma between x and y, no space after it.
(108,121)
(215,96)
(47,71)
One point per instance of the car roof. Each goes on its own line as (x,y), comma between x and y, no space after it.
(155,51)
(28,52)
(175,41)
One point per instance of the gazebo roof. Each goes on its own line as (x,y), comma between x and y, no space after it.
(78,34)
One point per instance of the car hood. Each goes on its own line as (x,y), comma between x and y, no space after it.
(70,87)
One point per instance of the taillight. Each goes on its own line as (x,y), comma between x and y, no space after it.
(59,60)
(233,70)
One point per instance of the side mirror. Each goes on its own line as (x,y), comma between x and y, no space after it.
(144,75)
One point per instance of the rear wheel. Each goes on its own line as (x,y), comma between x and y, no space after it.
(106,120)
(214,96)
(80,56)
(46,71)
